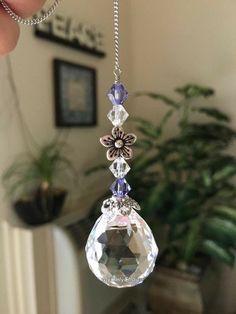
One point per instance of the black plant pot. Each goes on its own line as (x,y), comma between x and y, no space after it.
(43,208)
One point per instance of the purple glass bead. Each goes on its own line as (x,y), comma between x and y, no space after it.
(117,94)
(120,188)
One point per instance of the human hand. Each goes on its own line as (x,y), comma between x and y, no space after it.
(9,29)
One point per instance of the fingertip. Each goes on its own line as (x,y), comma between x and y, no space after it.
(9,33)
(26,8)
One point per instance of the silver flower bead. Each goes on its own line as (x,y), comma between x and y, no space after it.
(118,144)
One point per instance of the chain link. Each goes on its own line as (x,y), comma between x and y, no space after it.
(117,70)
(33,21)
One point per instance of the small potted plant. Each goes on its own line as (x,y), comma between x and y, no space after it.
(184,185)
(32,183)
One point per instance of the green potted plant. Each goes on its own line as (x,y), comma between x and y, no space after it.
(184,185)
(32,183)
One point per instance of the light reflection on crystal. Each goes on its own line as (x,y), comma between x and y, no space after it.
(121,250)
(118,115)
(119,168)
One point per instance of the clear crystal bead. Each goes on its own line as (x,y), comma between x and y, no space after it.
(119,168)
(121,250)
(117,115)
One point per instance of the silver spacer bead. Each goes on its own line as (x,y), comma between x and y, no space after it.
(123,206)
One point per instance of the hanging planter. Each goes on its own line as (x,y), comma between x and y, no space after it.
(32,183)
(42,208)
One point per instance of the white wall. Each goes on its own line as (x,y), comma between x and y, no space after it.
(178,42)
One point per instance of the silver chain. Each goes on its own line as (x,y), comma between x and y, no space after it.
(117,70)
(32,21)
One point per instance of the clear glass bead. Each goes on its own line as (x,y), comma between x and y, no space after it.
(119,168)
(118,115)
(121,250)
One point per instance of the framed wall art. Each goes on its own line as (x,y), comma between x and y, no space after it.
(75,94)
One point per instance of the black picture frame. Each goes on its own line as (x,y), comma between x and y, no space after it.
(75,89)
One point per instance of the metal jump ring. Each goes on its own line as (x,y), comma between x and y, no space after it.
(117,74)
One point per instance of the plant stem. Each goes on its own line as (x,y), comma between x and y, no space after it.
(25,131)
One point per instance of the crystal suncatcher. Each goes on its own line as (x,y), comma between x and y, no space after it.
(121,250)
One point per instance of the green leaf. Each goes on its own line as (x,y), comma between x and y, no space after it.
(147,128)
(168,101)
(214,113)
(179,164)
(144,144)
(227,172)
(152,132)
(166,117)
(192,91)
(154,197)
(207,180)
(96,169)
(209,132)
(181,214)
(215,163)
(217,252)
(144,161)
(221,229)
(226,212)
(191,241)
(227,193)
(144,123)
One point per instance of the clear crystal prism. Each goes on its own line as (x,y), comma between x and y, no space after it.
(119,167)
(121,250)
(118,115)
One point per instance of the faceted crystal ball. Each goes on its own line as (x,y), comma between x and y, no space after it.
(121,250)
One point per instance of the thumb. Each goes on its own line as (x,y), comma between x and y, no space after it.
(9,33)
(25,8)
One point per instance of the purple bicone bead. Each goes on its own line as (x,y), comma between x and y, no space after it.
(120,188)
(117,94)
